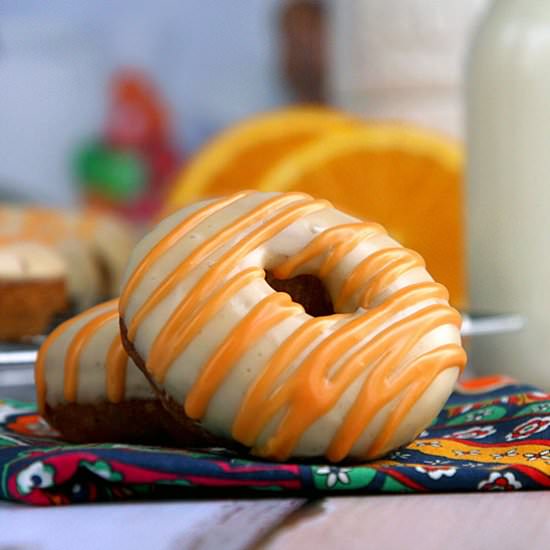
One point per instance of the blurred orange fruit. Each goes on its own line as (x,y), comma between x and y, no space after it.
(238,157)
(406,178)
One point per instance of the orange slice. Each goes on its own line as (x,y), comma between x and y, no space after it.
(407,179)
(238,157)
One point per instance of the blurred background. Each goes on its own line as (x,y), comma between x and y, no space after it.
(430,117)
(209,64)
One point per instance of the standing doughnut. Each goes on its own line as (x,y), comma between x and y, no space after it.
(357,378)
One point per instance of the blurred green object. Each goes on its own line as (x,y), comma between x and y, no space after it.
(116,175)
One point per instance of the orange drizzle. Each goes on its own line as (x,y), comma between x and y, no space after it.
(163,351)
(39,368)
(188,331)
(270,311)
(171,239)
(336,242)
(78,343)
(391,374)
(249,420)
(371,346)
(309,392)
(202,252)
(42,225)
(380,270)
(115,362)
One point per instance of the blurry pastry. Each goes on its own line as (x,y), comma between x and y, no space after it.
(95,246)
(33,289)
(46,226)
(112,241)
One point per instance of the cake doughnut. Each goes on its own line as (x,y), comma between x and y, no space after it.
(111,240)
(48,227)
(33,289)
(361,376)
(90,391)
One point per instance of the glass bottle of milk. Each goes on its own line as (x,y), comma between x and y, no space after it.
(508,175)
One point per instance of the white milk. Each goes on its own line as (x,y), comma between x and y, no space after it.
(401,60)
(508,137)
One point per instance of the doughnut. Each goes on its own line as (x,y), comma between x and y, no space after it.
(111,240)
(211,311)
(33,289)
(47,226)
(95,245)
(90,391)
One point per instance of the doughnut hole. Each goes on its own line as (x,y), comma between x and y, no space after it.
(306,290)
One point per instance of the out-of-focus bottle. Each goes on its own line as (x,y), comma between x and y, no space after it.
(508,137)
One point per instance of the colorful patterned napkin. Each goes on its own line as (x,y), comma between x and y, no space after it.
(493,435)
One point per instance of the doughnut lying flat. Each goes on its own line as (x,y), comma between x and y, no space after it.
(95,246)
(247,363)
(90,391)
(48,227)
(33,289)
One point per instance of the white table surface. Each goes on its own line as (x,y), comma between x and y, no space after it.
(508,521)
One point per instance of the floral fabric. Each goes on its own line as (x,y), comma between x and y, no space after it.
(493,435)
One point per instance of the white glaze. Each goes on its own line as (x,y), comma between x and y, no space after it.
(82,239)
(92,387)
(29,261)
(110,239)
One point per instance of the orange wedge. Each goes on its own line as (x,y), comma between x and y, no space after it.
(407,179)
(238,157)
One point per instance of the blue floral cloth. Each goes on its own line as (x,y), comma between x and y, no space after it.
(493,434)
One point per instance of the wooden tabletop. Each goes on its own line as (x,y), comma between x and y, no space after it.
(455,521)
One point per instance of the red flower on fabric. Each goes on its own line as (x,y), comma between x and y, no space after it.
(500,482)
(528,428)
(476,432)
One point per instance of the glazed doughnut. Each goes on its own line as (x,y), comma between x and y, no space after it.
(90,391)
(226,350)
(33,289)
(111,240)
(48,227)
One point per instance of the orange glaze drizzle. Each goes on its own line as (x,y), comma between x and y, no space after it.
(168,241)
(338,241)
(163,351)
(380,269)
(77,346)
(44,225)
(115,363)
(309,392)
(385,362)
(249,420)
(39,368)
(204,251)
(188,331)
(38,224)
(265,315)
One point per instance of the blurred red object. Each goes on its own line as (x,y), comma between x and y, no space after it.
(137,115)
(137,127)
